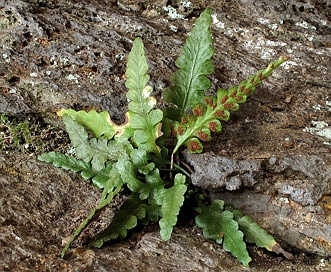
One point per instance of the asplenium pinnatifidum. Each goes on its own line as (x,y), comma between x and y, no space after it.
(134,155)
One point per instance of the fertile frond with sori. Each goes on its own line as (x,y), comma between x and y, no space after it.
(205,117)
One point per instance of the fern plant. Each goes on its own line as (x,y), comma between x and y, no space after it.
(134,155)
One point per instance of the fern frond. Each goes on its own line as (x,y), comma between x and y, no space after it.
(96,151)
(206,117)
(190,81)
(254,233)
(100,124)
(132,210)
(99,178)
(220,226)
(145,120)
(112,188)
(234,238)
(209,220)
(129,174)
(171,200)
(138,174)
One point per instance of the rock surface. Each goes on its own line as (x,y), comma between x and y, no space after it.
(287,195)
(276,149)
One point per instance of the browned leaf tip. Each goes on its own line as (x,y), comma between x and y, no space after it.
(279,250)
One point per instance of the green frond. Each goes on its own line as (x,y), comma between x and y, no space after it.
(99,178)
(171,200)
(132,210)
(190,80)
(96,151)
(109,192)
(254,233)
(100,124)
(220,226)
(145,120)
(133,156)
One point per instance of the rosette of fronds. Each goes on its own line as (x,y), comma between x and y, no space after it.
(133,156)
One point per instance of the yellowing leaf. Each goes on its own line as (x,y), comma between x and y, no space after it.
(99,123)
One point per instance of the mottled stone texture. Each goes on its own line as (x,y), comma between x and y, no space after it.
(287,195)
(275,149)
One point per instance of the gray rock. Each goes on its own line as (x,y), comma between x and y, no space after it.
(214,172)
(304,178)
(306,228)
(284,194)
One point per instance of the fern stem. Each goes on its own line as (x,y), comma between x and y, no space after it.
(102,204)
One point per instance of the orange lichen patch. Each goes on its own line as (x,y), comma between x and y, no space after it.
(322,242)
(325,203)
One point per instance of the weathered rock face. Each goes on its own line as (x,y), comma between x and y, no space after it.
(304,178)
(275,150)
(287,195)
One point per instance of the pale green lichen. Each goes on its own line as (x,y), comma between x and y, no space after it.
(320,128)
(173,13)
